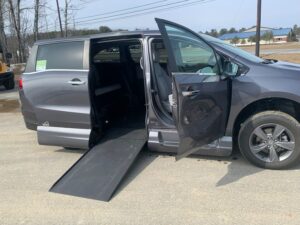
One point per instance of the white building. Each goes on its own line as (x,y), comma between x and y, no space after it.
(279,36)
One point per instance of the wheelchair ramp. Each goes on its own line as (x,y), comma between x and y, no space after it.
(99,171)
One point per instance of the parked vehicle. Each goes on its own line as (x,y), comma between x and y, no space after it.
(7,78)
(193,93)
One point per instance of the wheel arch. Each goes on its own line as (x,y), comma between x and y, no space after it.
(285,105)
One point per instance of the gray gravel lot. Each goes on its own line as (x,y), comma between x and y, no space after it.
(157,190)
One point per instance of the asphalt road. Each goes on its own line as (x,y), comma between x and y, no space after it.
(157,190)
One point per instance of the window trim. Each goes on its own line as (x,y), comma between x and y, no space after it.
(122,39)
(155,101)
(85,51)
(108,47)
(171,57)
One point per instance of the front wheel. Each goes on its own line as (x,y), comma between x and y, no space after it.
(10,84)
(270,140)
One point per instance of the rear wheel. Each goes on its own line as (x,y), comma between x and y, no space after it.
(10,84)
(270,140)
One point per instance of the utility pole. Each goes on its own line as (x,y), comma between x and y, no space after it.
(36,19)
(59,19)
(258,22)
(66,14)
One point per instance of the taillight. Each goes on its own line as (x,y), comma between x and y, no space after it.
(20,83)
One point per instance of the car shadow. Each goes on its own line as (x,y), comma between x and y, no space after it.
(71,150)
(237,169)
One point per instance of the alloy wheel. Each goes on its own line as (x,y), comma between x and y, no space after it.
(272,142)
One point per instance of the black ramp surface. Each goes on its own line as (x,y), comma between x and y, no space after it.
(98,172)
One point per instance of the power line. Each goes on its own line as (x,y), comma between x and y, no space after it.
(122,10)
(134,11)
(168,6)
(116,11)
(151,11)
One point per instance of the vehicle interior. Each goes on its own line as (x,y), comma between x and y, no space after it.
(117,80)
(191,57)
(117,84)
(162,81)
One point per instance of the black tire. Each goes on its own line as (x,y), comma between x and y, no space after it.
(10,84)
(248,133)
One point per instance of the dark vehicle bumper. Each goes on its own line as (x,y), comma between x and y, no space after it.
(6,76)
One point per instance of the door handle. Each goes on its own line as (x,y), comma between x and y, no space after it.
(190,93)
(76,81)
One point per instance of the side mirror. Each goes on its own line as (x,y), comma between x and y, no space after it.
(230,68)
(242,70)
(8,55)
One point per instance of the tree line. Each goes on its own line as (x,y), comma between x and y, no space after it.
(266,36)
(21,24)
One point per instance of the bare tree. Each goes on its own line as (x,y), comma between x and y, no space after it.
(59,18)
(15,13)
(3,39)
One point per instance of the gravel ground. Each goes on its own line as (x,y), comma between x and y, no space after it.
(157,190)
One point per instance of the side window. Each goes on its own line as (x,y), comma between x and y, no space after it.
(108,54)
(63,55)
(228,67)
(192,55)
(135,51)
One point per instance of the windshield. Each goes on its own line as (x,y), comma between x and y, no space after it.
(231,48)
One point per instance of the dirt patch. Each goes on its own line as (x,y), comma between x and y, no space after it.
(292,57)
(9,105)
(289,45)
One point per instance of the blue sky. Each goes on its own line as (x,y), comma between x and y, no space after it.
(199,17)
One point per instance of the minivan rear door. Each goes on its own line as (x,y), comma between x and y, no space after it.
(200,95)
(57,90)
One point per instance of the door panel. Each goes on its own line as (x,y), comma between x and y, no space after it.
(58,92)
(59,104)
(201,112)
(200,96)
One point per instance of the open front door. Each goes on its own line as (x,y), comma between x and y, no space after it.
(200,95)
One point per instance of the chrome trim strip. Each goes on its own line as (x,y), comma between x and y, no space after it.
(56,70)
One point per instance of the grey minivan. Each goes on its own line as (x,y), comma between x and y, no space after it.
(191,93)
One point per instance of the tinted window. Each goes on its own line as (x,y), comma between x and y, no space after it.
(109,54)
(160,51)
(191,53)
(135,51)
(64,55)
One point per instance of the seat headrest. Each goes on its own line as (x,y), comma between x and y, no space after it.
(156,56)
(157,48)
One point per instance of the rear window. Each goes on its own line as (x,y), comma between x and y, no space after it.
(64,55)
(109,54)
